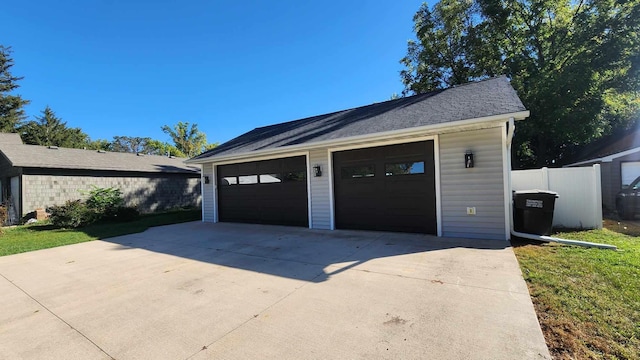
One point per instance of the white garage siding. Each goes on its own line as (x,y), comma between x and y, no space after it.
(481,187)
(208,194)
(320,190)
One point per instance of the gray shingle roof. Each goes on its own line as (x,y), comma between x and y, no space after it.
(10,138)
(615,143)
(34,156)
(485,98)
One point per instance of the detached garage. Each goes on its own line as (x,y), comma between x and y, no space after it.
(435,163)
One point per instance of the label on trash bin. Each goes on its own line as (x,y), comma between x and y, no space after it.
(533,203)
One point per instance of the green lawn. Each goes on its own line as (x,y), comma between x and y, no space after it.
(42,236)
(587,300)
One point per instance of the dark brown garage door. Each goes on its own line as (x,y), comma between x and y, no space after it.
(387,188)
(264,192)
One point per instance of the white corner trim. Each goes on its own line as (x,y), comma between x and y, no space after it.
(436,166)
(332,210)
(214,193)
(309,212)
(203,196)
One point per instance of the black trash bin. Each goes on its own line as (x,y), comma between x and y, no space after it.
(533,211)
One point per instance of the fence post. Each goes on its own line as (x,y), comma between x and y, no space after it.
(545,178)
(597,181)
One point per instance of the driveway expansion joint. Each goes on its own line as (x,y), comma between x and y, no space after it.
(57,316)
(207,346)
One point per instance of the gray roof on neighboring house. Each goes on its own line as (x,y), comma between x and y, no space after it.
(34,156)
(614,145)
(480,99)
(10,138)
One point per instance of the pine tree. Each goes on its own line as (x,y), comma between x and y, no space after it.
(11,105)
(49,130)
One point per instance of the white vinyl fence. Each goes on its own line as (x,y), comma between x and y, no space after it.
(579,203)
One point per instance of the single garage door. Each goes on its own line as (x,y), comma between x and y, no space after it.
(264,192)
(387,188)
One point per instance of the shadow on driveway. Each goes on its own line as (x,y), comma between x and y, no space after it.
(289,252)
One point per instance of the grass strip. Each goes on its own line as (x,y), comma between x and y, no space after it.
(25,238)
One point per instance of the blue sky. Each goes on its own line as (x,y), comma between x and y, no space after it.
(129,67)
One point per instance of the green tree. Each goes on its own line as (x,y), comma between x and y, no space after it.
(156,147)
(49,130)
(574,64)
(100,144)
(130,144)
(188,139)
(11,105)
(210,146)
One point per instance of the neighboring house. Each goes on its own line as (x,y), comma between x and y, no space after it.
(619,159)
(435,163)
(34,177)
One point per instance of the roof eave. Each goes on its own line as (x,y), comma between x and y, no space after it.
(8,160)
(608,158)
(460,124)
(40,166)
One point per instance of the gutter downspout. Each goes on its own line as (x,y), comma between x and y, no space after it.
(563,241)
(510,131)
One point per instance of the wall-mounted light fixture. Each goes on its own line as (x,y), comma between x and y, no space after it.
(317,171)
(206,179)
(468,159)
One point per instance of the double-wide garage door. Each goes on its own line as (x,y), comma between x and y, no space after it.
(388,188)
(264,192)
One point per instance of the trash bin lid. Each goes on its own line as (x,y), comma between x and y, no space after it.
(536,191)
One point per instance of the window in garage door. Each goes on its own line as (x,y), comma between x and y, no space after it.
(629,172)
(264,192)
(389,188)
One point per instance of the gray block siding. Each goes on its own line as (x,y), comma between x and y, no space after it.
(320,190)
(481,187)
(208,195)
(148,193)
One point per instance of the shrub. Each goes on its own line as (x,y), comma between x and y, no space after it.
(3,216)
(102,204)
(104,201)
(73,214)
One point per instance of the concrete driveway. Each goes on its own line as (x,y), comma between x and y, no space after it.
(232,291)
